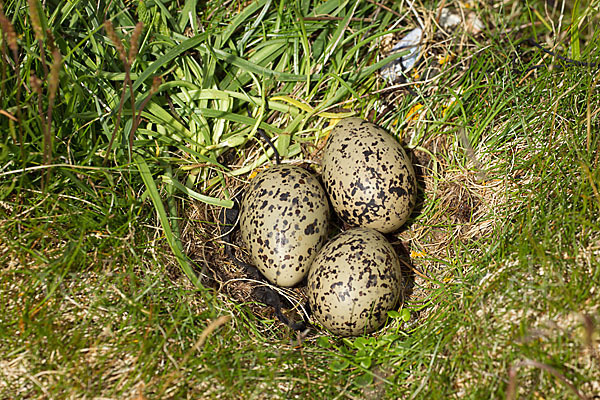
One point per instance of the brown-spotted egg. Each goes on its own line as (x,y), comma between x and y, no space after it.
(368,176)
(354,281)
(283,222)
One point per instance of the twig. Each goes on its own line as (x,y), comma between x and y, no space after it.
(588,324)
(22,170)
(114,134)
(524,26)
(36,84)
(39,33)
(129,84)
(413,269)
(589,112)
(471,154)
(127,60)
(52,78)
(414,11)
(133,50)
(9,115)
(156,81)
(306,369)
(212,326)
(264,137)
(334,45)
(568,62)
(439,13)
(112,35)
(386,8)
(512,373)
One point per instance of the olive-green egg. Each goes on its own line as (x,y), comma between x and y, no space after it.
(368,176)
(354,281)
(284,219)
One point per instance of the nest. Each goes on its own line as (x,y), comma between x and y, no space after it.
(206,240)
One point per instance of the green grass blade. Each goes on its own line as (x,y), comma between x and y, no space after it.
(172,237)
(575,50)
(210,113)
(255,24)
(255,68)
(240,19)
(167,57)
(339,32)
(181,145)
(195,195)
(188,14)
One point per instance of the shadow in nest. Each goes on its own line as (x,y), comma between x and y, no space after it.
(408,269)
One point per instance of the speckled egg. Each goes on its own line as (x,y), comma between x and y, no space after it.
(368,176)
(354,280)
(284,219)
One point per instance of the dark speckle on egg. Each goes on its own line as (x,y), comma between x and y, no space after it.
(354,281)
(368,176)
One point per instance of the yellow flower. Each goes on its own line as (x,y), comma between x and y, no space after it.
(414,112)
(256,171)
(444,59)
(417,254)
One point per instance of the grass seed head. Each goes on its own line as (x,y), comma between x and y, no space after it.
(155,84)
(54,71)
(50,42)
(134,41)
(9,32)
(112,35)
(36,84)
(35,19)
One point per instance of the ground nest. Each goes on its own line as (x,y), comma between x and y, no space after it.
(203,233)
(460,205)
